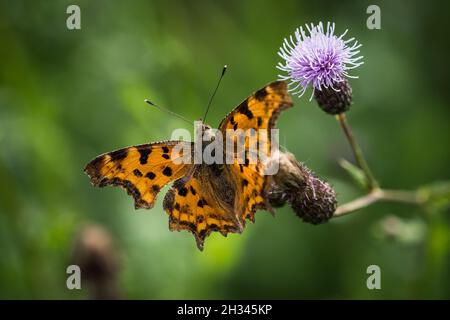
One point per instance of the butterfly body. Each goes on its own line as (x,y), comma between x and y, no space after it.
(205,196)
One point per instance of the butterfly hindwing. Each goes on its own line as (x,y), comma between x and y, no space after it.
(190,207)
(142,170)
(258,112)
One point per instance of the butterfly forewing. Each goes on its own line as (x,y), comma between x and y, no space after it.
(258,112)
(142,170)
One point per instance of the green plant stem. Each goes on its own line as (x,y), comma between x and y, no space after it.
(357,152)
(411,197)
(376,194)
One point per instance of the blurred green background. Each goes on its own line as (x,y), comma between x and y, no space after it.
(67,96)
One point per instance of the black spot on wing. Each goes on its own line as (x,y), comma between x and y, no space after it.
(137,173)
(150,175)
(243,108)
(261,94)
(118,155)
(201,203)
(167,171)
(259,121)
(144,152)
(182,191)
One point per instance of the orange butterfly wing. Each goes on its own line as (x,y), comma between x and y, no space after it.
(191,208)
(142,170)
(260,112)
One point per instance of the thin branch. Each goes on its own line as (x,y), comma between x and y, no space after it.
(356,204)
(376,195)
(402,196)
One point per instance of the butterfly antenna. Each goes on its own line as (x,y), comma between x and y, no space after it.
(215,90)
(168,111)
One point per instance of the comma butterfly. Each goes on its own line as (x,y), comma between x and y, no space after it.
(204,197)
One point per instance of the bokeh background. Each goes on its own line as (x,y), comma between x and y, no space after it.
(67,96)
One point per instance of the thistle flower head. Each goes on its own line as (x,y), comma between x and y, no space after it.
(318,58)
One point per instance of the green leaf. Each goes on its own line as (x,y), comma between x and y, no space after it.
(355,173)
(436,196)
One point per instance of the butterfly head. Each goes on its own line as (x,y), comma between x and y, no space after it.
(205,127)
(205,130)
(204,133)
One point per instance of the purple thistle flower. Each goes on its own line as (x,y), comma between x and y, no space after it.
(320,59)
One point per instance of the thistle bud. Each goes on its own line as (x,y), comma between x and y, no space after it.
(317,203)
(335,100)
(312,199)
(96,255)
